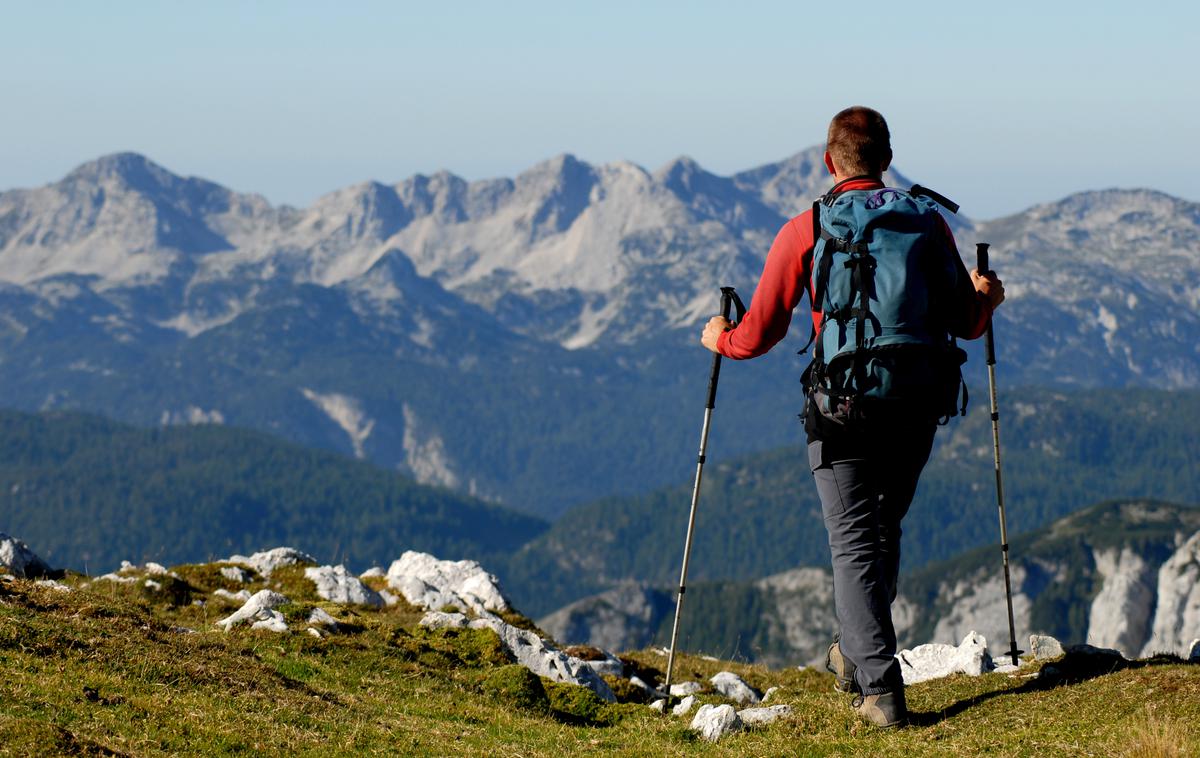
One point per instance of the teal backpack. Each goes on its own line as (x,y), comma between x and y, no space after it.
(883,282)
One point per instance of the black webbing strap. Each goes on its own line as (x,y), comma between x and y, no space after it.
(940,199)
(862,275)
(844,246)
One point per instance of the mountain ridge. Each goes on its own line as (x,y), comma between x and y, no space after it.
(574,292)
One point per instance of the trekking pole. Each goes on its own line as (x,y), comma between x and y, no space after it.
(728,299)
(981,254)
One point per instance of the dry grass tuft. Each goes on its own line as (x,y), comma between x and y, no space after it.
(1159,737)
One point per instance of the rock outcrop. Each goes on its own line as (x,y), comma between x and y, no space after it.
(626,617)
(936,660)
(259,611)
(715,721)
(268,560)
(735,688)
(765,715)
(543,659)
(1177,616)
(427,582)
(20,561)
(1121,613)
(337,585)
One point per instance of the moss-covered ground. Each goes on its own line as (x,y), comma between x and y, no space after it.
(109,669)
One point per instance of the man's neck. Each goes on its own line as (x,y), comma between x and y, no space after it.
(838,178)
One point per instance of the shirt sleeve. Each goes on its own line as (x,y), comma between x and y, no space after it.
(972,312)
(784,280)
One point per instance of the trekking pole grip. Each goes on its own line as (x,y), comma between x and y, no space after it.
(726,306)
(981,265)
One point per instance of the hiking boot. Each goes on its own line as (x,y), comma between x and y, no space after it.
(843,670)
(886,710)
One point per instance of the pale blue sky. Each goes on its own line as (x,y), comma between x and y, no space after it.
(998,108)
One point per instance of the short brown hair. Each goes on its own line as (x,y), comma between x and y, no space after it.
(859,142)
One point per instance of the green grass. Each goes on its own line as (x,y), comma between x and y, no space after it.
(104,670)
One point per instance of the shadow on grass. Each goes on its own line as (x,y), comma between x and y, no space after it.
(1073,668)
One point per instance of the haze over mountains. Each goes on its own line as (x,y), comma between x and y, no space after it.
(528,340)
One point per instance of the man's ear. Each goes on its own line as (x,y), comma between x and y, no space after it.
(829,163)
(887,161)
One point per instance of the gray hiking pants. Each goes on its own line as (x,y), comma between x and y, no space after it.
(865,488)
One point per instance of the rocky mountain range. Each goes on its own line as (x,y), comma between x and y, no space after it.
(527,340)
(1120,575)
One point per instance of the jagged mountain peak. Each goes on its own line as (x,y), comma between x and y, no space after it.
(123,164)
(681,165)
(686,177)
(561,172)
(805,164)
(138,173)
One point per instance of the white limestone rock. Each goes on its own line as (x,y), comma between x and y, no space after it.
(764,716)
(770,692)
(935,660)
(150,584)
(1194,651)
(259,611)
(53,585)
(715,721)
(268,560)
(543,659)
(1122,611)
(388,598)
(732,686)
(659,705)
(20,561)
(321,619)
(240,596)
(1177,615)
(235,574)
(271,621)
(1043,646)
(155,569)
(684,706)
(373,572)
(429,583)
(683,689)
(439,620)
(609,665)
(118,578)
(337,585)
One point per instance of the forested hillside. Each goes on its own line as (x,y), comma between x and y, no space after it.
(91,492)
(759,514)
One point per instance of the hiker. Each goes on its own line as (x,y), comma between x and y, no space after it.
(869,416)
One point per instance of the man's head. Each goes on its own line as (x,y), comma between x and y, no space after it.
(858,144)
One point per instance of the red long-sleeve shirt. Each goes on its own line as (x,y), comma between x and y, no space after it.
(787,276)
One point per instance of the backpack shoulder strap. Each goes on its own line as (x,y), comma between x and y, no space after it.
(822,279)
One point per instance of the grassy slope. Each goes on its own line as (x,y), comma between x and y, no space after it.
(100,671)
